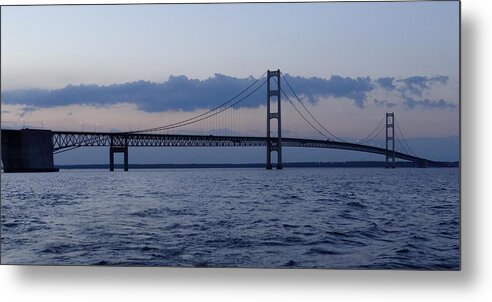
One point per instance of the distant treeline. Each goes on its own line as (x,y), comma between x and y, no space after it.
(351,164)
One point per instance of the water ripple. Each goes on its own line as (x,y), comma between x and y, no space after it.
(309,218)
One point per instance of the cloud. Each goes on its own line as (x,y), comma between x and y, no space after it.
(384,103)
(178,93)
(355,89)
(182,93)
(26,111)
(386,83)
(417,84)
(433,104)
(185,94)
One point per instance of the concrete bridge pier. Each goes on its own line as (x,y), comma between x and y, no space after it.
(118,149)
(27,150)
(118,146)
(422,164)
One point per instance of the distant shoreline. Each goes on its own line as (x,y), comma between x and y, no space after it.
(352,164)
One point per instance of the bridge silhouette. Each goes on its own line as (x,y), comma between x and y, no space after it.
(31,150)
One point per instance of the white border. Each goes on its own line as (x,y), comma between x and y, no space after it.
(471,284)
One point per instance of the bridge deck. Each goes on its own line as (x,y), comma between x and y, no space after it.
(64,140)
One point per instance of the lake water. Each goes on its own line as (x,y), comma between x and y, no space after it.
(294,218)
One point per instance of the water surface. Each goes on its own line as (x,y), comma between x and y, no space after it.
(296,217)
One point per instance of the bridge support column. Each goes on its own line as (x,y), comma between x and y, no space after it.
(111,159)
(118,149)
(390,140)
(422,164)
(274,144)
(125,163)
(111,155)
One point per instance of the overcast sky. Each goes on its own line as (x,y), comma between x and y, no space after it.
(134,66)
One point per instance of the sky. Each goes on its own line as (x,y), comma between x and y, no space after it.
(127,67)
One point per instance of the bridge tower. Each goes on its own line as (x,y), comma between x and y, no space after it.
(274,144)
(390,139)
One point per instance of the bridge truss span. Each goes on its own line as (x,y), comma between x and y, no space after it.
(64,141)
(68,140)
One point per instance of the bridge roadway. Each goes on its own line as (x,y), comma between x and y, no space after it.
(66,140)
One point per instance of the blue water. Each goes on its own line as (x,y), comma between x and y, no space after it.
(297,217)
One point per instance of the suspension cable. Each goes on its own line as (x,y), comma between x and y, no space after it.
(366,139)
(303,117)
(401,145)
(374,136)
(300,113)
(177,124)
(403,137)
(172,126)
(309,112)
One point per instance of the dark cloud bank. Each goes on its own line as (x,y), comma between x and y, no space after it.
(182,93)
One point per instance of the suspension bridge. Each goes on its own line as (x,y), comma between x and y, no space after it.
(32,150)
